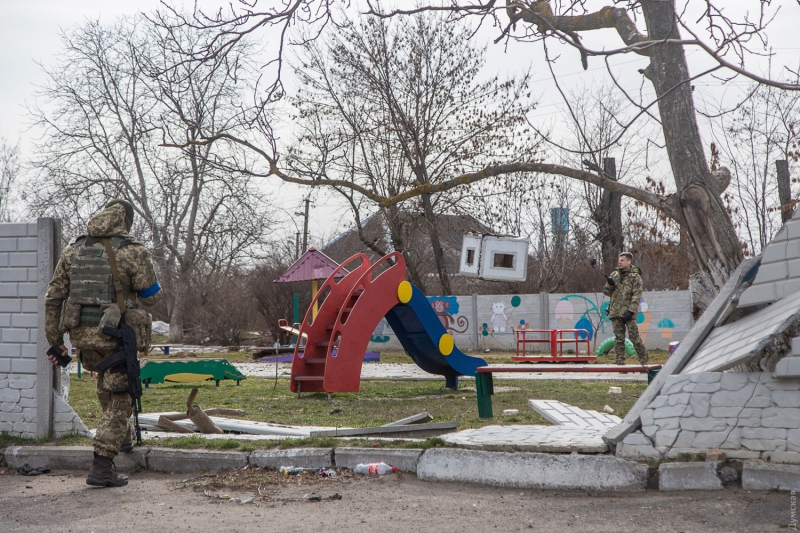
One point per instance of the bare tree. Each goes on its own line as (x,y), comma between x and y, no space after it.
(116,95)
(763,128)
(391,104)
(9,172)
(695,203)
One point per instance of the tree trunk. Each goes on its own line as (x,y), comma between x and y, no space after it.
(176,315)
(436,244)
(608,217)
(699,208)
(398,243)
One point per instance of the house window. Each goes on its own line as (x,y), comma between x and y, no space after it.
(470,256)
(504,260)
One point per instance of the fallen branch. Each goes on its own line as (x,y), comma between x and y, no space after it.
(165,422)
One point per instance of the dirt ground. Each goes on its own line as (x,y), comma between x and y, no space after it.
(62,502)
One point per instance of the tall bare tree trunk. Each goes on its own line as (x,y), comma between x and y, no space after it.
(608,217)
(698,206)
(436,244)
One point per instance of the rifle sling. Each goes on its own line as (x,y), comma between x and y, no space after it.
(109,362)
(115,275)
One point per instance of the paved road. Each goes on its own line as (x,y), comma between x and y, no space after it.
(61,502)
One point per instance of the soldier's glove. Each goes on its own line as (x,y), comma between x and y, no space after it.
(627,316)
(610,281)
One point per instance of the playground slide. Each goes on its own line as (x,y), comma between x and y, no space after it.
(425,339)
(380,291)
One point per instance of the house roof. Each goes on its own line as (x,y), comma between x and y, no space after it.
(312,265)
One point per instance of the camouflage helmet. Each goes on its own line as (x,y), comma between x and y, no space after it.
(128,210)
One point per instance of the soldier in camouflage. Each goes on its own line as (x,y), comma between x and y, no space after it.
(624,287)
(81,299)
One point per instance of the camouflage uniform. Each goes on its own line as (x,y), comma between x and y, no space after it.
(625,296)
(140,284)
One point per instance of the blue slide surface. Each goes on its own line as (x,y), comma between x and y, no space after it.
(419,329)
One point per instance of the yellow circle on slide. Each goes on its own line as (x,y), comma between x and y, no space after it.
(404,291)
(446,344)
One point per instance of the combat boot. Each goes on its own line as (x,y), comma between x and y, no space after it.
(127,445)
(103,473)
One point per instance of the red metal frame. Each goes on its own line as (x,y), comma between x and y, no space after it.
(360,312)
(555,338)
(308,369)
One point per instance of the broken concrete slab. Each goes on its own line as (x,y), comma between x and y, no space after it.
(166,460)
(419,418)
(767,476)
(551,439)
(300,457)
(532,470)
(562,414)
(69,457)
(150,420)
(751,337)
(689,476)
(681,355)
(409,430)
(404,459)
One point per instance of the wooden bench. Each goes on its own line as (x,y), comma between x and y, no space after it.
(484,385)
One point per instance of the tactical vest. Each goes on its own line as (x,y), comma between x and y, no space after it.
(91,283)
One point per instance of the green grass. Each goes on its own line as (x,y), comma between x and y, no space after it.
(377,403)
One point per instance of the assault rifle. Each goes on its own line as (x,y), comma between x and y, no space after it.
(125,360)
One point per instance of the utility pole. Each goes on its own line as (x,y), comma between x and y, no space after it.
(297,246)
(305,226)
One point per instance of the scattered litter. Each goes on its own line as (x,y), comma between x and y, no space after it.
(28,470)
(297,471)
(248,500)
(608,409)
(510,412)
(312,497)
(615,390)
(374,469)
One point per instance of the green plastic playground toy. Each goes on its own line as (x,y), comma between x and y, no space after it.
(608,344)
(183,371)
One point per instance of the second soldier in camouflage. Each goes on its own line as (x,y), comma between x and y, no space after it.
(624,287)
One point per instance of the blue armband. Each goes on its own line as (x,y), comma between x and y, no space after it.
(150,291)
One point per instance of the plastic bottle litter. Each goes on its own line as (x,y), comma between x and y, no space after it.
(297,471)
(374,469)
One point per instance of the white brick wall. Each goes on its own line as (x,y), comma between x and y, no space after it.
(26,378)
(745,414)
(18,299)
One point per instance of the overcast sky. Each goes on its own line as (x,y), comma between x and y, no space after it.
(29,33)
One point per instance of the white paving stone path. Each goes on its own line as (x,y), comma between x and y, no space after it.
(562,414)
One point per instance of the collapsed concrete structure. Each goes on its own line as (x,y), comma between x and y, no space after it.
(733,384)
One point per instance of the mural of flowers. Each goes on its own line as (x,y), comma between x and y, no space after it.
(666,325)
